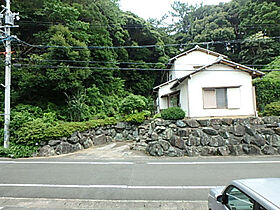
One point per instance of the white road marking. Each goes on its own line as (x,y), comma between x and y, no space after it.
(110,186)
(172,187)
(214,163)
(148,163)
(1,207)
(99,201)
(66,163)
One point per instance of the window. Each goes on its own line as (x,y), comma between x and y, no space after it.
(171,99)
(174,100)
(238,200)
(221,98)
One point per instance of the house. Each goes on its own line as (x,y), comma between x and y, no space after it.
(206,84)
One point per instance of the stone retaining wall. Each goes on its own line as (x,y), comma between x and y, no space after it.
(84,140)
(250,136)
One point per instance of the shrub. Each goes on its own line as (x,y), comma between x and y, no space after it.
(173,113)
(4,152)
(31,133)
(21,151)
(38,130)
(137,118)
(24,113)
(272,109)
(267,89)
(18,151)
(133,104)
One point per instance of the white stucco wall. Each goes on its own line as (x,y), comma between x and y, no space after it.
(184,103)
(220,78)
(187,62)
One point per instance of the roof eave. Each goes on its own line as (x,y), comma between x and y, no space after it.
(163,84)
(171,60)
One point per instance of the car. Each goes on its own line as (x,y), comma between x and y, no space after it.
(246,194)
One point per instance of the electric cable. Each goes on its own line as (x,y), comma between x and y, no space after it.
(143,46)
(117,62)
(127,69)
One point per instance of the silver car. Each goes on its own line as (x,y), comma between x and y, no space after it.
(246,194)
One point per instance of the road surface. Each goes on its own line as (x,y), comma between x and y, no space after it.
(71,182)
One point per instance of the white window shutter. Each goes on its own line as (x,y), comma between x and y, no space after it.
(209,99)
(233,97)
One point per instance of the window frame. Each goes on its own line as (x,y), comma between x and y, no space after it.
(256,205)
(216,104)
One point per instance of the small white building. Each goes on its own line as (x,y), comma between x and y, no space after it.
(205,84)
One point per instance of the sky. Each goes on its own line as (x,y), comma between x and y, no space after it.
(157,8)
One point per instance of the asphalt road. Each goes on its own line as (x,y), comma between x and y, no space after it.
(168,180)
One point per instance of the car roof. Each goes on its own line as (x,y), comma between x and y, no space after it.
(263,190)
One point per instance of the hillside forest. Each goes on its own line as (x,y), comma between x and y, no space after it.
(77,63)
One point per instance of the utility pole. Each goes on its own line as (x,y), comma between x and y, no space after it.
(8,22)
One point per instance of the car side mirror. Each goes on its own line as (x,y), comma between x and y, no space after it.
(220,199)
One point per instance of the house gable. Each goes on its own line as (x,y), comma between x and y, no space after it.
(197,48)
(189,61)
(221,61)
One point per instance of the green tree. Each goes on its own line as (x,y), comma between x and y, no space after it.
(260,16)
(258,49)
(133,104)
(268,87)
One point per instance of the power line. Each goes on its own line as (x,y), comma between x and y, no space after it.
(32,23)
(92,62)
(124,26)
(144,46)
(125,69)
(119,62)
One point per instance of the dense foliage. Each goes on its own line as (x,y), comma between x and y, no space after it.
(31,126)
(79,70)
(268,87)
(245,30)
(137,118)
(173,113)
(272,109)
(133,104)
